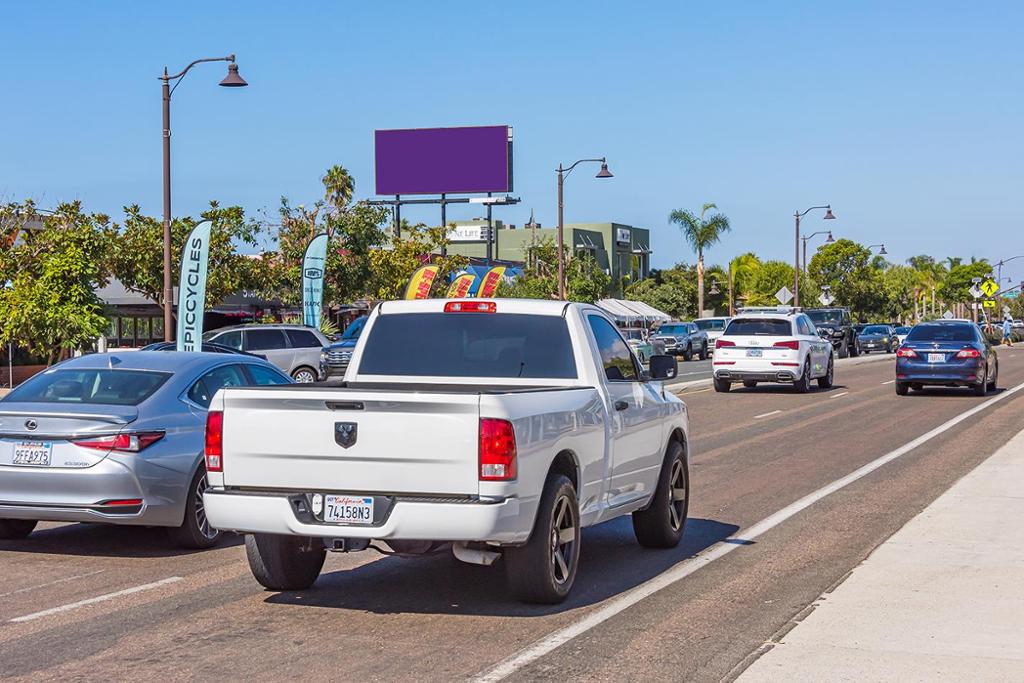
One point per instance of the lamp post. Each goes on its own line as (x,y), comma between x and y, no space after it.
(999,270)
(232,80)
(796,247)
(882,251)
(829,240)
(562,173)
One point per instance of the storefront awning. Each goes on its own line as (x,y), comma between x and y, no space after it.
(625,311)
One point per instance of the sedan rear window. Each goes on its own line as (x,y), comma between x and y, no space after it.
(469,345)
(956,333)
(99,386)
(759,327)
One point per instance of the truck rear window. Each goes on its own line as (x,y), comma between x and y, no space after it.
(469,345)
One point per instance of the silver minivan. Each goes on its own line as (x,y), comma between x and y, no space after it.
(293,348)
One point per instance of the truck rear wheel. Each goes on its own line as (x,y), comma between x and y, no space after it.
(662,524)
(543,570)
(283,563)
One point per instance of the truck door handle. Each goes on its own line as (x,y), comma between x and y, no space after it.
(621,405)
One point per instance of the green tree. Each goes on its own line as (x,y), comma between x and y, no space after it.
(137,255)
(700,233)
(742,272)
(770,277)
(847,268)
(48,301)
(393,265)
(585,281)
(955,288)
(339,187)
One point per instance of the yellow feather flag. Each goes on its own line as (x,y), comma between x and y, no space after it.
(420,282)
(490,282)
(460,286)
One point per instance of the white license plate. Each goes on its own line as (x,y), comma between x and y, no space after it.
(754,353)
(32,453)
(936,358)
(348,509)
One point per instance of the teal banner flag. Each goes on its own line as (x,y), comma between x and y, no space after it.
(313,280)
(192,288)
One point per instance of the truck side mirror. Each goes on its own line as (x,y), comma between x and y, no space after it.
(663,367)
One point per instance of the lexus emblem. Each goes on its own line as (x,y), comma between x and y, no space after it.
(31,425)
(345,433)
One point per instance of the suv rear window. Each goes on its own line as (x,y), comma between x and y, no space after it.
(104,387)
(759,327)
(956,333)
(469,345)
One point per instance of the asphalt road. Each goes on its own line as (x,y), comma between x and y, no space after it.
(81,602)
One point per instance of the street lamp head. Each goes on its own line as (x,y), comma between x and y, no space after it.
(828,215)
(829,240)
(233,80)
(714,287)
(882,251)
(604,172)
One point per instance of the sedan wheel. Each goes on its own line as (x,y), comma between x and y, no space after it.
(195,531)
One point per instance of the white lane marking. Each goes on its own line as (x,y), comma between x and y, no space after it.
(553,640)
(98,598)
(889,382)
(841,393)
(52,583)
(774,412)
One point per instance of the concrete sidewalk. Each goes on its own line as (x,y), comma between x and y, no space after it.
(943,599)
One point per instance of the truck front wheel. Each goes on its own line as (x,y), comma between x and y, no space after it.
(662,524)
(543,570)
(284,563)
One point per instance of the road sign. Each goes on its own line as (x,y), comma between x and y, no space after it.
(989,287)
(975,292)
(826,299)
(948,315)
(989,303)
(1006,310)
(784,295)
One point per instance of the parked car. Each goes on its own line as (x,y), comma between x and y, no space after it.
(683,339)
(877,338)
(772,347)
(334,359)
(834,324)
(207,347)
(944,353)
(638,341)
(531,420)
(714,327)
(293,348)
(116,438)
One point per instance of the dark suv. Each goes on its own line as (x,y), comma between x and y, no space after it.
(835,325)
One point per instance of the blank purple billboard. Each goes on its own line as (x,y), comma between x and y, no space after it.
(443,160)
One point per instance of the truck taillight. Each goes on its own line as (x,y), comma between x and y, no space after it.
(497,450)
(791,344)
(214,441)
(470,307)
(722,343)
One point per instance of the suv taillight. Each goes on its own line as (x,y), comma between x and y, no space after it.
(214,441)
(497,450)
(722,343)
(791,344)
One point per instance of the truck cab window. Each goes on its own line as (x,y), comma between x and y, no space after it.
(616,357)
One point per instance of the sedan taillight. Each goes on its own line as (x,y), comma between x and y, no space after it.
(497,450)
(904,352)
(131,442)
(214,450)
(722,343)
(968,352)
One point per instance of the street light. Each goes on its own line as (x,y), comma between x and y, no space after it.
(562,172)
(232,80)
(796,247)
(999,266)
(882,251)
(829,240)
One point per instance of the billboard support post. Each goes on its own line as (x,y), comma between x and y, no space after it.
(490,233)
(398,216)
(444,223)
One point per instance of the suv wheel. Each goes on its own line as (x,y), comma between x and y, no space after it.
(844,349)
(803,384)
(304,375)
(825,382)
(722,385)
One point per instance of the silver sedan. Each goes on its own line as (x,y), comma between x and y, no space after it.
(116,438)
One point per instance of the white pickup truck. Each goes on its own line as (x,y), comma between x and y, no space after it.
(500,427)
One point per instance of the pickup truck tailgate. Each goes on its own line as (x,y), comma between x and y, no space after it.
(404,442)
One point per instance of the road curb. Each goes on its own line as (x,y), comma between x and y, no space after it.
(840,362)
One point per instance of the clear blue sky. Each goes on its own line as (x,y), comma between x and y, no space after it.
(906,117)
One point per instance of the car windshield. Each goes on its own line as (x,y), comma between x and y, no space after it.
(902,330)
(759,327)
(672,329)
(825,316)
(710,325)
(939,333)
(633,334)
(100,386)
(469,345)
(875,329)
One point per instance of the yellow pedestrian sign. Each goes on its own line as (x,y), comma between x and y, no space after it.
(989,287)
(989,303)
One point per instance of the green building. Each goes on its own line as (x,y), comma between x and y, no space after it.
(621,250)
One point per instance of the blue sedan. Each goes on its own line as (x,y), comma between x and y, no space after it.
(951,354)
(116,438)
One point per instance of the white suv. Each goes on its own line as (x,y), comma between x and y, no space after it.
(772,347)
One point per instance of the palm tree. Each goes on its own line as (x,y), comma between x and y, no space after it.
(741,275)
(700,233)
(338,187)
